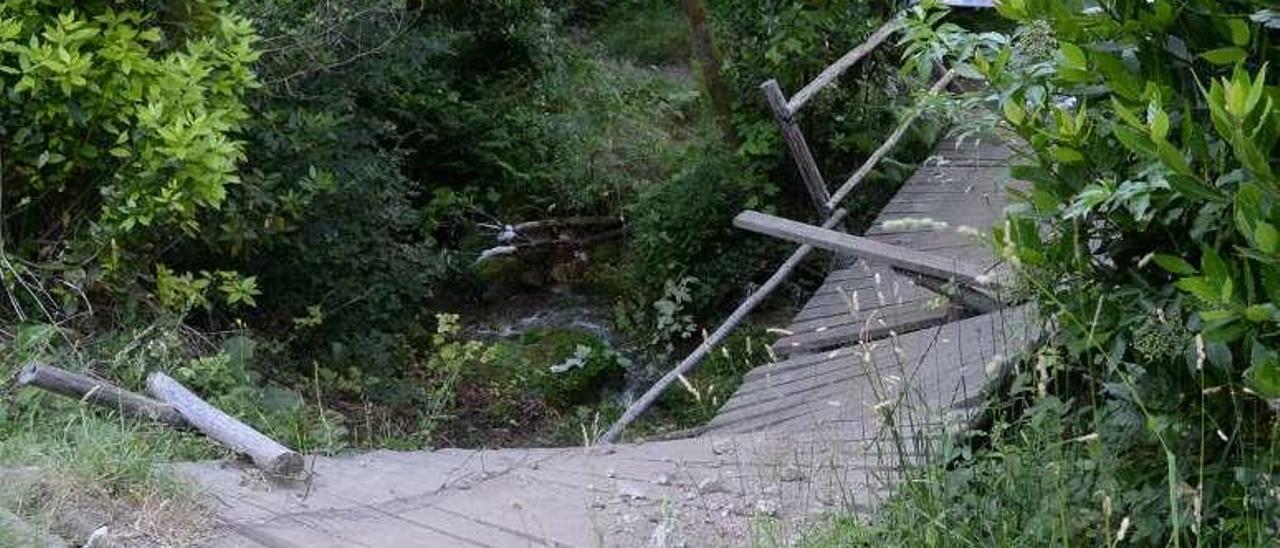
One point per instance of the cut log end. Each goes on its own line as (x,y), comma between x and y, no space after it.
(28,374)
(287,465)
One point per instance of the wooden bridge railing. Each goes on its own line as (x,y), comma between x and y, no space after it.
(826,203)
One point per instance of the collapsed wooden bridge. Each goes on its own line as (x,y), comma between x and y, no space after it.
(890,354)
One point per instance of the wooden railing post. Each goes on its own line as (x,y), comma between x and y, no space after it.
(799,148)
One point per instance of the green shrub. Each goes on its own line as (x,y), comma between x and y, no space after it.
(1146,237)
(121,129)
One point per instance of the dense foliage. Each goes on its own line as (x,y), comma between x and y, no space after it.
(121,129)
(1146,236)
(275,201)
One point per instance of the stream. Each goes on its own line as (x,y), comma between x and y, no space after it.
(561,309)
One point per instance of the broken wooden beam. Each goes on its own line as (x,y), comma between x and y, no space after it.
(97,392)
(832,72)
(886,147)
(268,454)
(971,298)
(839,242)
(721,333)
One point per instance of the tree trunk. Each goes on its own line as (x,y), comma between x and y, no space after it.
(708,57)
(267,454)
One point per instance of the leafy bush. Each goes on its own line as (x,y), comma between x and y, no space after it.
(120,126)
(793,41)
(1146,235)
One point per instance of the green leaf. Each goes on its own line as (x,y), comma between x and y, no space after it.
(1159,124)
(1173,158)
(1267,237)
(1219,316)
(1066,155)
(1174,264)
(1226,332)
(1193,188)
(1200,287)
(1073,56)
(1263,375)
(1138,143)
(1239,31)
(1259,313)
(1224,56)
(1013,112)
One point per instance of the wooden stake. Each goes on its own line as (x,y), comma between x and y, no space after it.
(267,454)
(799,148)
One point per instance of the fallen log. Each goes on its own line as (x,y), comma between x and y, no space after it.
(97,392)
(567,222)
(268,454)
(513,249)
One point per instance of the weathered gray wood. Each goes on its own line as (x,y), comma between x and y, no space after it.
(267,454)
(839,242)
(799,147)
(22,533)
(885,147)
(837,68)
(694,358)
(97,392)
(843,334)
(978,301)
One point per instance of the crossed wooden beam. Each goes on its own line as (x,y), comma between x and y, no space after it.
(956,280)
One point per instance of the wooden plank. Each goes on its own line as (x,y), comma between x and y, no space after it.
(850,333)
(799,147)
(971,298)
(888,145)
(842,64)
(937,369)
(907,259)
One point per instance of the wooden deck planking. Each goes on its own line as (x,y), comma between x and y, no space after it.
(942,366)
(963,186)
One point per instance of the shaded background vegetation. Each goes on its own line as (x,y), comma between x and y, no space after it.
(283,202)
